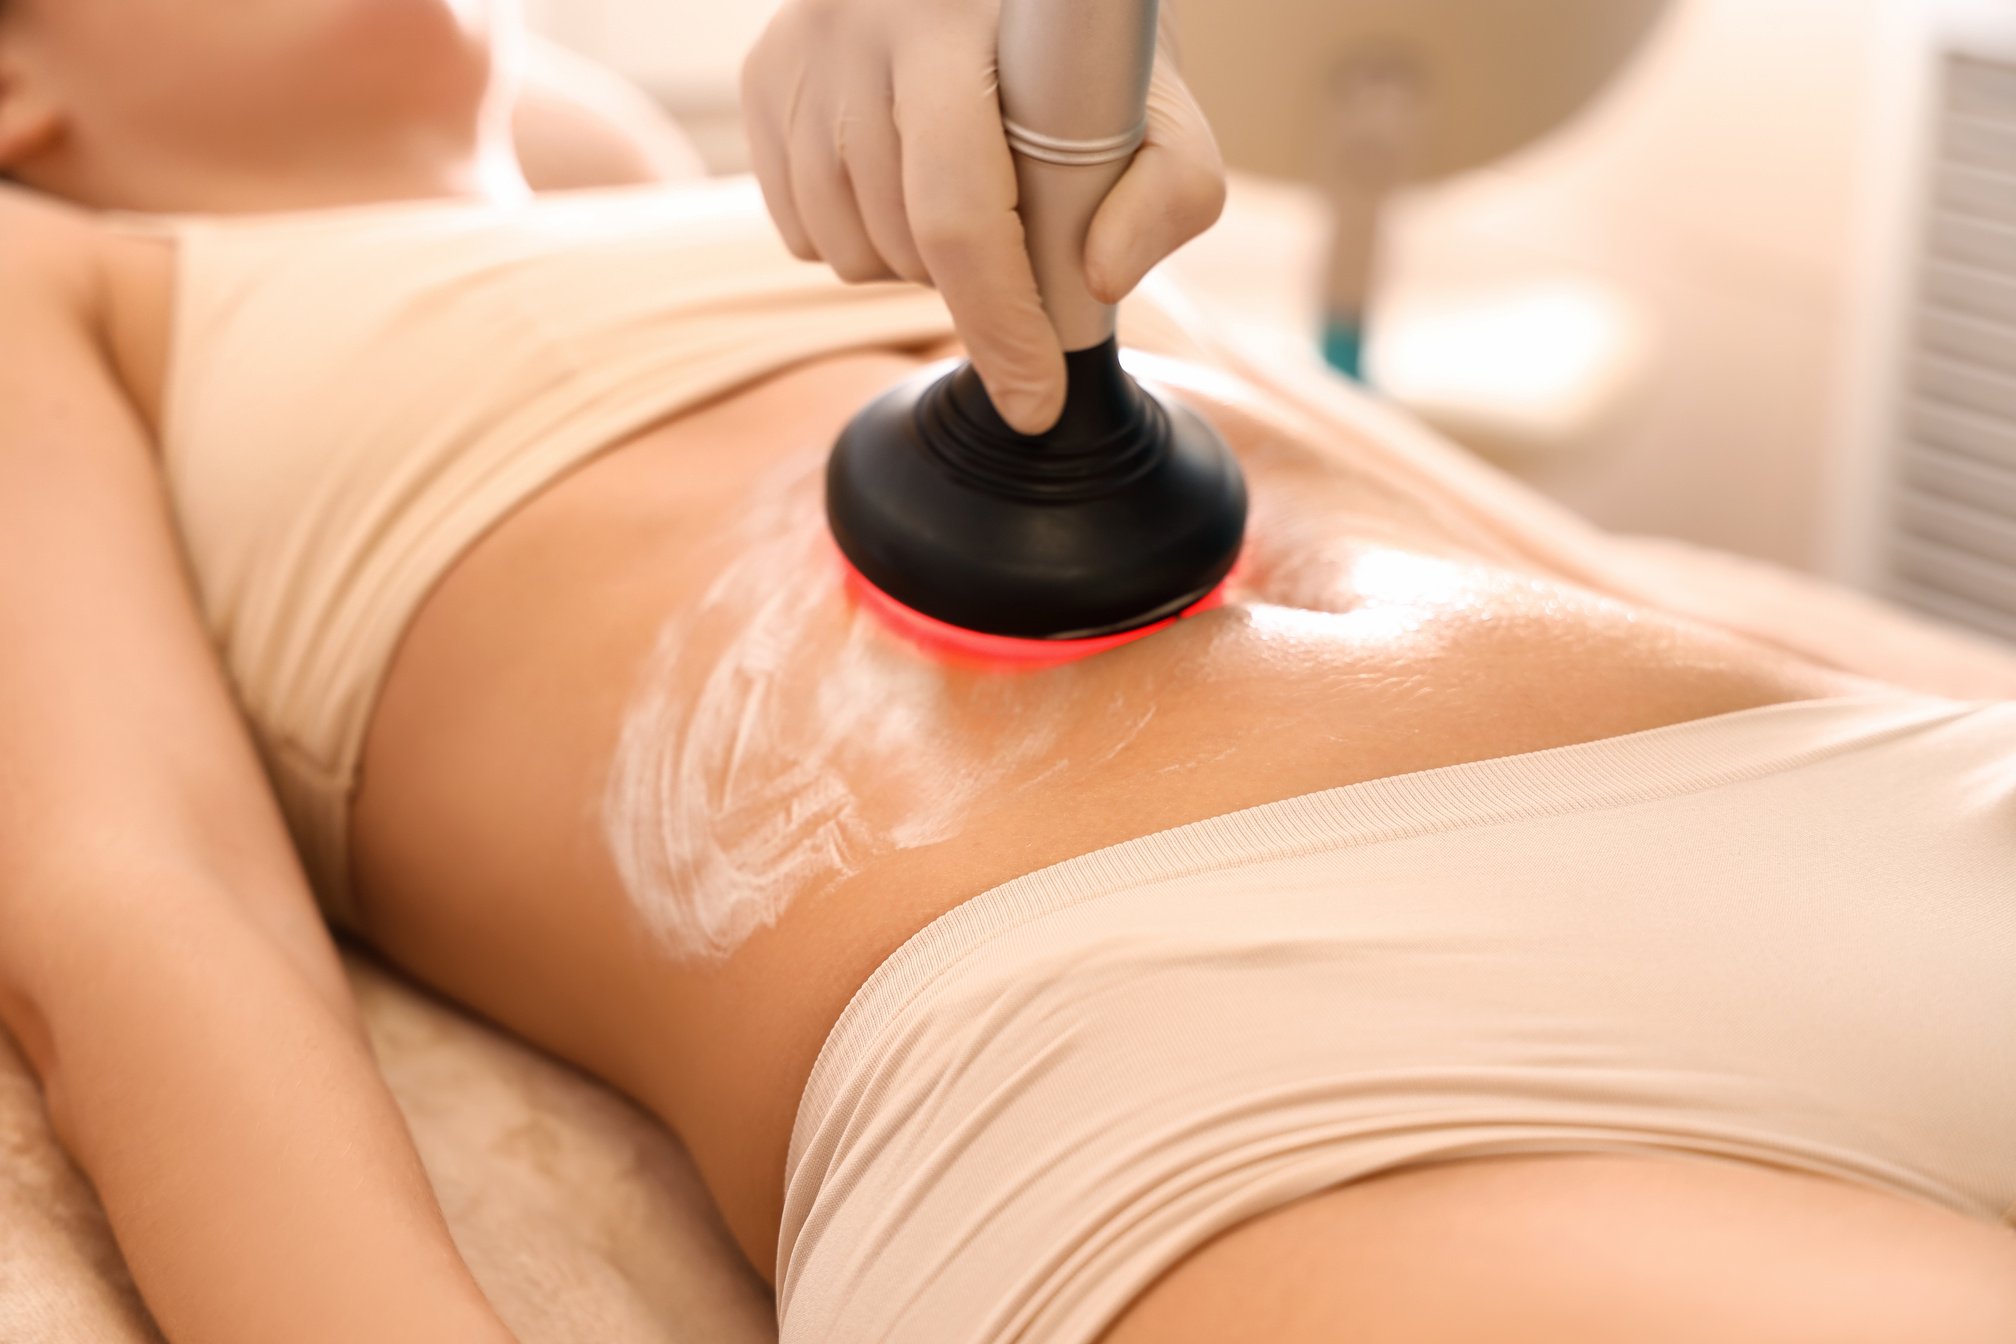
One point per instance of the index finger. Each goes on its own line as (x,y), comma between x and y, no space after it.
(959,191)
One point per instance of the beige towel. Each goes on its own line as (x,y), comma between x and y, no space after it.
(583,1219)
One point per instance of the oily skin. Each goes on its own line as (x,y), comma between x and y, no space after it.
(782,738)
(752,773)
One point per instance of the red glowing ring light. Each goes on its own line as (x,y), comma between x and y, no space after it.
(938,637)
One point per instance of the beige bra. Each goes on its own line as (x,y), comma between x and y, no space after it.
(356,395)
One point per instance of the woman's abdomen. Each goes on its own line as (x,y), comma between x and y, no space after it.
(645,787)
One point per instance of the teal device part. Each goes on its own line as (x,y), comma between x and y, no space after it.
(1344,346)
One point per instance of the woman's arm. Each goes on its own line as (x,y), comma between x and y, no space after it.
(161,962)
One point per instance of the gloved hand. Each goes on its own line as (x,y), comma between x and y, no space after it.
(876,133)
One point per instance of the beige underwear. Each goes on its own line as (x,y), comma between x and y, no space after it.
(1783,936)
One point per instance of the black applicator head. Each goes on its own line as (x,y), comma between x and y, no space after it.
(1126,515)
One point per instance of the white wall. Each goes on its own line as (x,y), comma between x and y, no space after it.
(1720,184)
(680,49)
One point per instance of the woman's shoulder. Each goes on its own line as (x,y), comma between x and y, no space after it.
(30,218)
(66,277)
(46,247)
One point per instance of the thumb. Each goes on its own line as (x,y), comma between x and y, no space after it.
(1014,349)
(1173,191)
(986,280)
(959,195)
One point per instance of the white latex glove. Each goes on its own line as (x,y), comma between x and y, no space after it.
(875,128)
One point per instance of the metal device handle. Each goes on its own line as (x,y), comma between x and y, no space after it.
(1074,95)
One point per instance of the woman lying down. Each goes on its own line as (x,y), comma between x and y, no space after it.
(1431,944)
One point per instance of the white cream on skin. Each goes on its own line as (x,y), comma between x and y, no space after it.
(780,739)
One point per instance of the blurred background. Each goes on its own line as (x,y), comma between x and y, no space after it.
(1740,273)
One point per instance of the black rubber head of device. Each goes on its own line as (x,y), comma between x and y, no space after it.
(1128,512)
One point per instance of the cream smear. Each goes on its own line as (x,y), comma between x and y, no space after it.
(780,738)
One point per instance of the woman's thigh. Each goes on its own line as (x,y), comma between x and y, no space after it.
(1591,1249)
